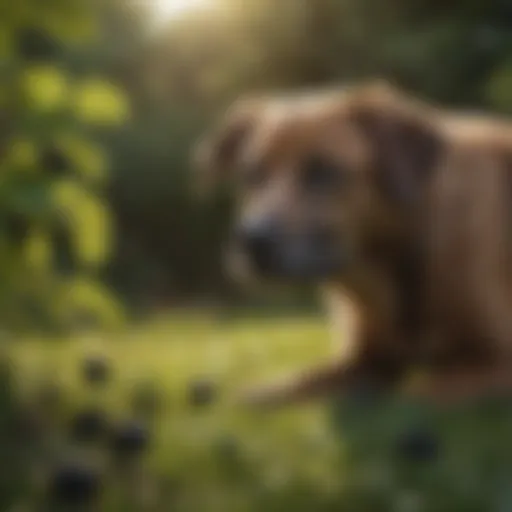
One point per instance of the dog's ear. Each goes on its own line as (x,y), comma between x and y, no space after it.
(217,152)
(402,134)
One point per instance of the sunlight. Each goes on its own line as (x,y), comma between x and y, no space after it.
(166,10)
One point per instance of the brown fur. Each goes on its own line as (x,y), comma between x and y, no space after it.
(428,216)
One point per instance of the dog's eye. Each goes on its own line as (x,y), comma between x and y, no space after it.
(319,174)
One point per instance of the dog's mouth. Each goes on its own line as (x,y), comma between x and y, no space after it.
(299,258)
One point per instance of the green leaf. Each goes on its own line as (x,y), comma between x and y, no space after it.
(82,297)
(88,159)
(99,102)
(87,216)
(45,88)
(38,250)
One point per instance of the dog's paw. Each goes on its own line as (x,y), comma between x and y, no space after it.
(263,398)
(254,399)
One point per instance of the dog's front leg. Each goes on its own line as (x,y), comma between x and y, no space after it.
(362,359)
(318,382)
(369,370)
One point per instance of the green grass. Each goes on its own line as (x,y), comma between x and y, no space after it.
(219,458)
(190,444)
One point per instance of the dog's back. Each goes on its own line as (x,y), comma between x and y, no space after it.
(471,234)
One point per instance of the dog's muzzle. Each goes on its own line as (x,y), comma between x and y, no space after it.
(274,252)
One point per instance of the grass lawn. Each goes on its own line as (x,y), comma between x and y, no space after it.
(214,457)
(193,446)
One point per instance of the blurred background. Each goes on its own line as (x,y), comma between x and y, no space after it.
(120,333)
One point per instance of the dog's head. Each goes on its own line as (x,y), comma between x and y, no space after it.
(317,177)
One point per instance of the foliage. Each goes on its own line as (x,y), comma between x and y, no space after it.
(55,226)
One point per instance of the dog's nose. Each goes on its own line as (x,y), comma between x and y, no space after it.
(260,238)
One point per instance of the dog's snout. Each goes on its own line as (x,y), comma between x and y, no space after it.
(260,238)
(257,232)
(274,249)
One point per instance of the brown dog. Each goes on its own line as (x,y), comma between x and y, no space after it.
(400,211)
